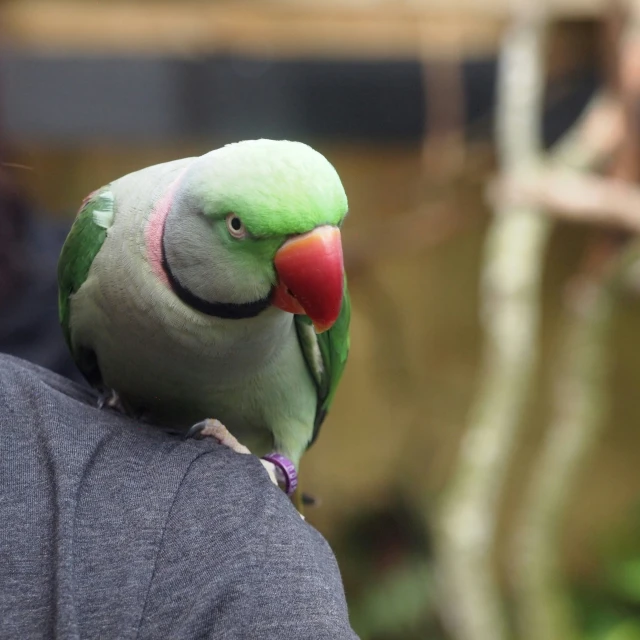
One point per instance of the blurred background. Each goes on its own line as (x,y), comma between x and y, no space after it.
(478,476)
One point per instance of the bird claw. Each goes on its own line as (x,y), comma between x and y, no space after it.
(280,469)
(111,400)
(272,470)
(215,429)
(195,431)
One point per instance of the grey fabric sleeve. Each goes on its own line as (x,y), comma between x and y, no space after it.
(277,574)
(110,528)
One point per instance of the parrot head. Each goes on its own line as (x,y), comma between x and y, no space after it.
(256,224)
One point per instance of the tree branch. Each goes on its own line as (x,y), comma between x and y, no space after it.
(544,608)
(579,408)
(513,262)
(515,247)
(574,196)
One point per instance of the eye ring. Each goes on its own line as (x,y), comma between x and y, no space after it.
(235,226)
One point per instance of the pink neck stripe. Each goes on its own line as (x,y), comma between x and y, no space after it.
(155,229)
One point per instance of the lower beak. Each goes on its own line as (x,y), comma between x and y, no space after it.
(310,272)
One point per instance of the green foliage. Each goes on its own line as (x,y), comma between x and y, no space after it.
(625,630)
(625,578)
(610,609)
(396,606)
(386,559)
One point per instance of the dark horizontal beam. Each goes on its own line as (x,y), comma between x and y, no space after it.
(78,100)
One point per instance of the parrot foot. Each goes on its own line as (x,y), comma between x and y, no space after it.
(215,429)
(111,400)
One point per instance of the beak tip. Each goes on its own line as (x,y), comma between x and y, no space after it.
(310,270)
(321,327)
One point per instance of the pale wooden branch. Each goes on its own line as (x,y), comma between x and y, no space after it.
(514,252)
(574,196)
(471,605)
(544,608)
(544,612)
(560,187)
(594,138)
(580,403)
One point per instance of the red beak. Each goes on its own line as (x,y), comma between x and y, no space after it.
(311,276)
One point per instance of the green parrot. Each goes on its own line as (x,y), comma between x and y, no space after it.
(214,287)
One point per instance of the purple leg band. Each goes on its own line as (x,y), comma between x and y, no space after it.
(288,470)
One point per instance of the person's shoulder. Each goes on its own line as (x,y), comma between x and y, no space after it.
(235,486)
(232,536)
(38,404)
(231,555)
(16,374)
(11,365)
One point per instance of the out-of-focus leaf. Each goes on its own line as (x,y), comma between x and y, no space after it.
(396,604)
(625,630)
(626,578)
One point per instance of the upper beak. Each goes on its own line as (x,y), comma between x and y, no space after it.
(310,272)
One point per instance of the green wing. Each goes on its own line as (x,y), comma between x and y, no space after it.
(326,356)
(85,239)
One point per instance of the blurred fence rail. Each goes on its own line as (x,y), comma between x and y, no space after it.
(331,29)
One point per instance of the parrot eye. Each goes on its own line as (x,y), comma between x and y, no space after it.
(235,226)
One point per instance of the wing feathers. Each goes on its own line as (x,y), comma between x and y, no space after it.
(83,243)
(326,356)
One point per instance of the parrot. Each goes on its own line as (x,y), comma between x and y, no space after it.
(208,295)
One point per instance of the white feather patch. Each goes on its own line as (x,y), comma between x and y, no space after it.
(316,356)
(103,213)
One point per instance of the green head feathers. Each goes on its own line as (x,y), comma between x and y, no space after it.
(271,190)
(275,187)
